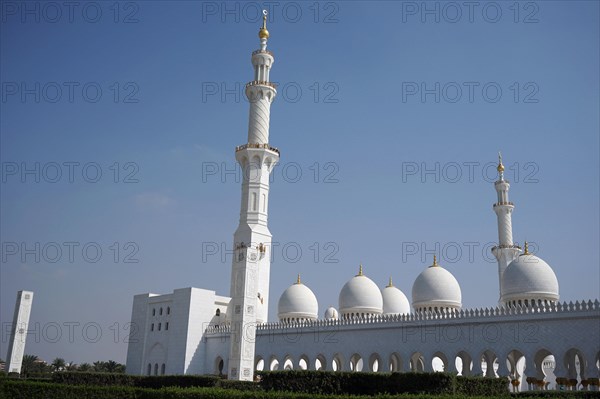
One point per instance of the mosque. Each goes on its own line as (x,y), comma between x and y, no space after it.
(530,338)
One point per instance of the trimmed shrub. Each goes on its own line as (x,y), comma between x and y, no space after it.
(338,383)
(118,379)
(98,379)
(480,386)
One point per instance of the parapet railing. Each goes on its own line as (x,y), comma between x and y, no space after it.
(259,51)
(428,315)
(256,145)
(261,83)
(503,203)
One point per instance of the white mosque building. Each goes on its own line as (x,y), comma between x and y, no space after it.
(531,337)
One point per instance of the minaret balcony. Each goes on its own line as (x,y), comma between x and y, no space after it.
(257,145)
(261,83)
(259,51)
(513,246)
(503,203)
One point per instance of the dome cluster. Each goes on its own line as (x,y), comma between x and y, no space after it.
(527,280)
(434,290)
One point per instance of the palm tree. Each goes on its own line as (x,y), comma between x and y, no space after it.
(59,364)
(99,366)
(85,367)
(71,366)
(29,364)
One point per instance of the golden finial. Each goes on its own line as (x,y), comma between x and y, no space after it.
(500,167)
(435,261)
(526,249)
(263,33)
(390,284)
(360,271)
(298,280)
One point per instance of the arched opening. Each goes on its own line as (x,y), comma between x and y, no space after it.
(163,369)
(395,363)
(463,363)
(273,364)
(489,364)
(219,365)
(417,362)
(575,365)
(439,362)
(545,364)
(155,368)
(303,362)
(259,364)
(149,369)
(356,362)
(288,364)
(516,368)
(337,362)
(320,363)
(375,363)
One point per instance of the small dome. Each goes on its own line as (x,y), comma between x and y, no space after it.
(298,302)
(360,296)
(331,313)
(435,289)
(529,278)
(394,300)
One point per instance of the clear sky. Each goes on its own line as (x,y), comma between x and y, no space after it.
(119,123)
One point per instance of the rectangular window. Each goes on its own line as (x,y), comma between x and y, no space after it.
(167,325)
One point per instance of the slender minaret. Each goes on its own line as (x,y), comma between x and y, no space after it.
(505,252)
(252,239)
(18,334)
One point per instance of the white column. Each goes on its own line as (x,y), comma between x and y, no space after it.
(250,272)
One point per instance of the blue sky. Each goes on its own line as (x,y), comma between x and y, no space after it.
(128,117)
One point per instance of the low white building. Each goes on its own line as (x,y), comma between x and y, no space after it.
(195,331)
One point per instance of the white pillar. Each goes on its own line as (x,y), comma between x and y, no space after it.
(250,271)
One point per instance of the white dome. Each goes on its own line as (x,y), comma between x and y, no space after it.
(331,313)
(529,278)
(360,296)
(437,288)
(298,302)
(394,300)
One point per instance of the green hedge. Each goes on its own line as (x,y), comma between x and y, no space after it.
(337,383)
(480,386)
(23,389)
(311,382)
(117,379)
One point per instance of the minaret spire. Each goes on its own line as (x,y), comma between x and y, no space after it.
(506,250)
(250,271)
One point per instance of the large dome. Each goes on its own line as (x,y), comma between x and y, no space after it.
(298,302)
(435,289)
(528,278)
(394,300)
(360,296)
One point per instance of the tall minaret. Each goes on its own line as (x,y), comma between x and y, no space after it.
(252,239)
(505,252)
